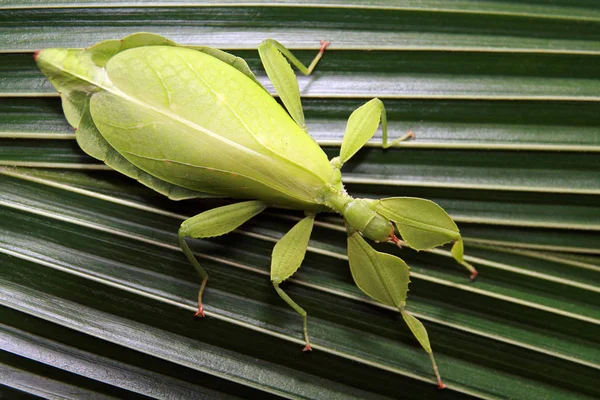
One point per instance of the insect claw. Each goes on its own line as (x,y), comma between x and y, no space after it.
(397,241)
(324,45)
(307,348)
(441,385)
(200,312)
(474,275)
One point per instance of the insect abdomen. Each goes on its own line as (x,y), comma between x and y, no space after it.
(197,122)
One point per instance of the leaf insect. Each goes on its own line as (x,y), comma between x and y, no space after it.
(194,121)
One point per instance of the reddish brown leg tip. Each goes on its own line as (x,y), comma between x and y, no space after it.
(394,239)
(35,55)
(324,45)
(200,312)
(474,275)
(441,385)
(307,348)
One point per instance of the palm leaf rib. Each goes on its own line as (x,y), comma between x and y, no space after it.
(96,299)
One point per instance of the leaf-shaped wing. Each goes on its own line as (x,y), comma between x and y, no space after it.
(77,74)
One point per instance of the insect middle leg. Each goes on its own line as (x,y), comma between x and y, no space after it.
(211,223)
(288,254)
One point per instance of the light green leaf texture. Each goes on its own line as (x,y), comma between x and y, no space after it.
(382,276)
(289,251)
(422,223)
(221,220)
(362,124)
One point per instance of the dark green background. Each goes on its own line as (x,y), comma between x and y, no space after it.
(97,300)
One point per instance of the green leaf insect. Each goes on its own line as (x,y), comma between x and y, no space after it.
(195,122)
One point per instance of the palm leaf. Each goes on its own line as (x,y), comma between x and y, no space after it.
(97,300)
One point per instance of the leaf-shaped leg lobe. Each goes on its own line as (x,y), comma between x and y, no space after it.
(78,75)
(288,254)
(211,223)
(424,225)
(273,56)
(419,331)
(381,276)
(458,250)
(385,278)
(361,127)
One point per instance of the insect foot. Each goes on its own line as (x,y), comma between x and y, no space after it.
(200,312)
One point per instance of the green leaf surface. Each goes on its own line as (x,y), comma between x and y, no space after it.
(154,259)
(493,170)
(105,373)
(559,9)
(539,126)
(174,348)
(420,28)
(97,299)
(345,74)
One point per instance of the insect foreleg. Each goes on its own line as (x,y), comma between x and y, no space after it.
(215,222)
(273,55)
(288,254)
(361,127)
(424,225)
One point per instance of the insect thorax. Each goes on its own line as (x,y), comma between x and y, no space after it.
(360,215)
